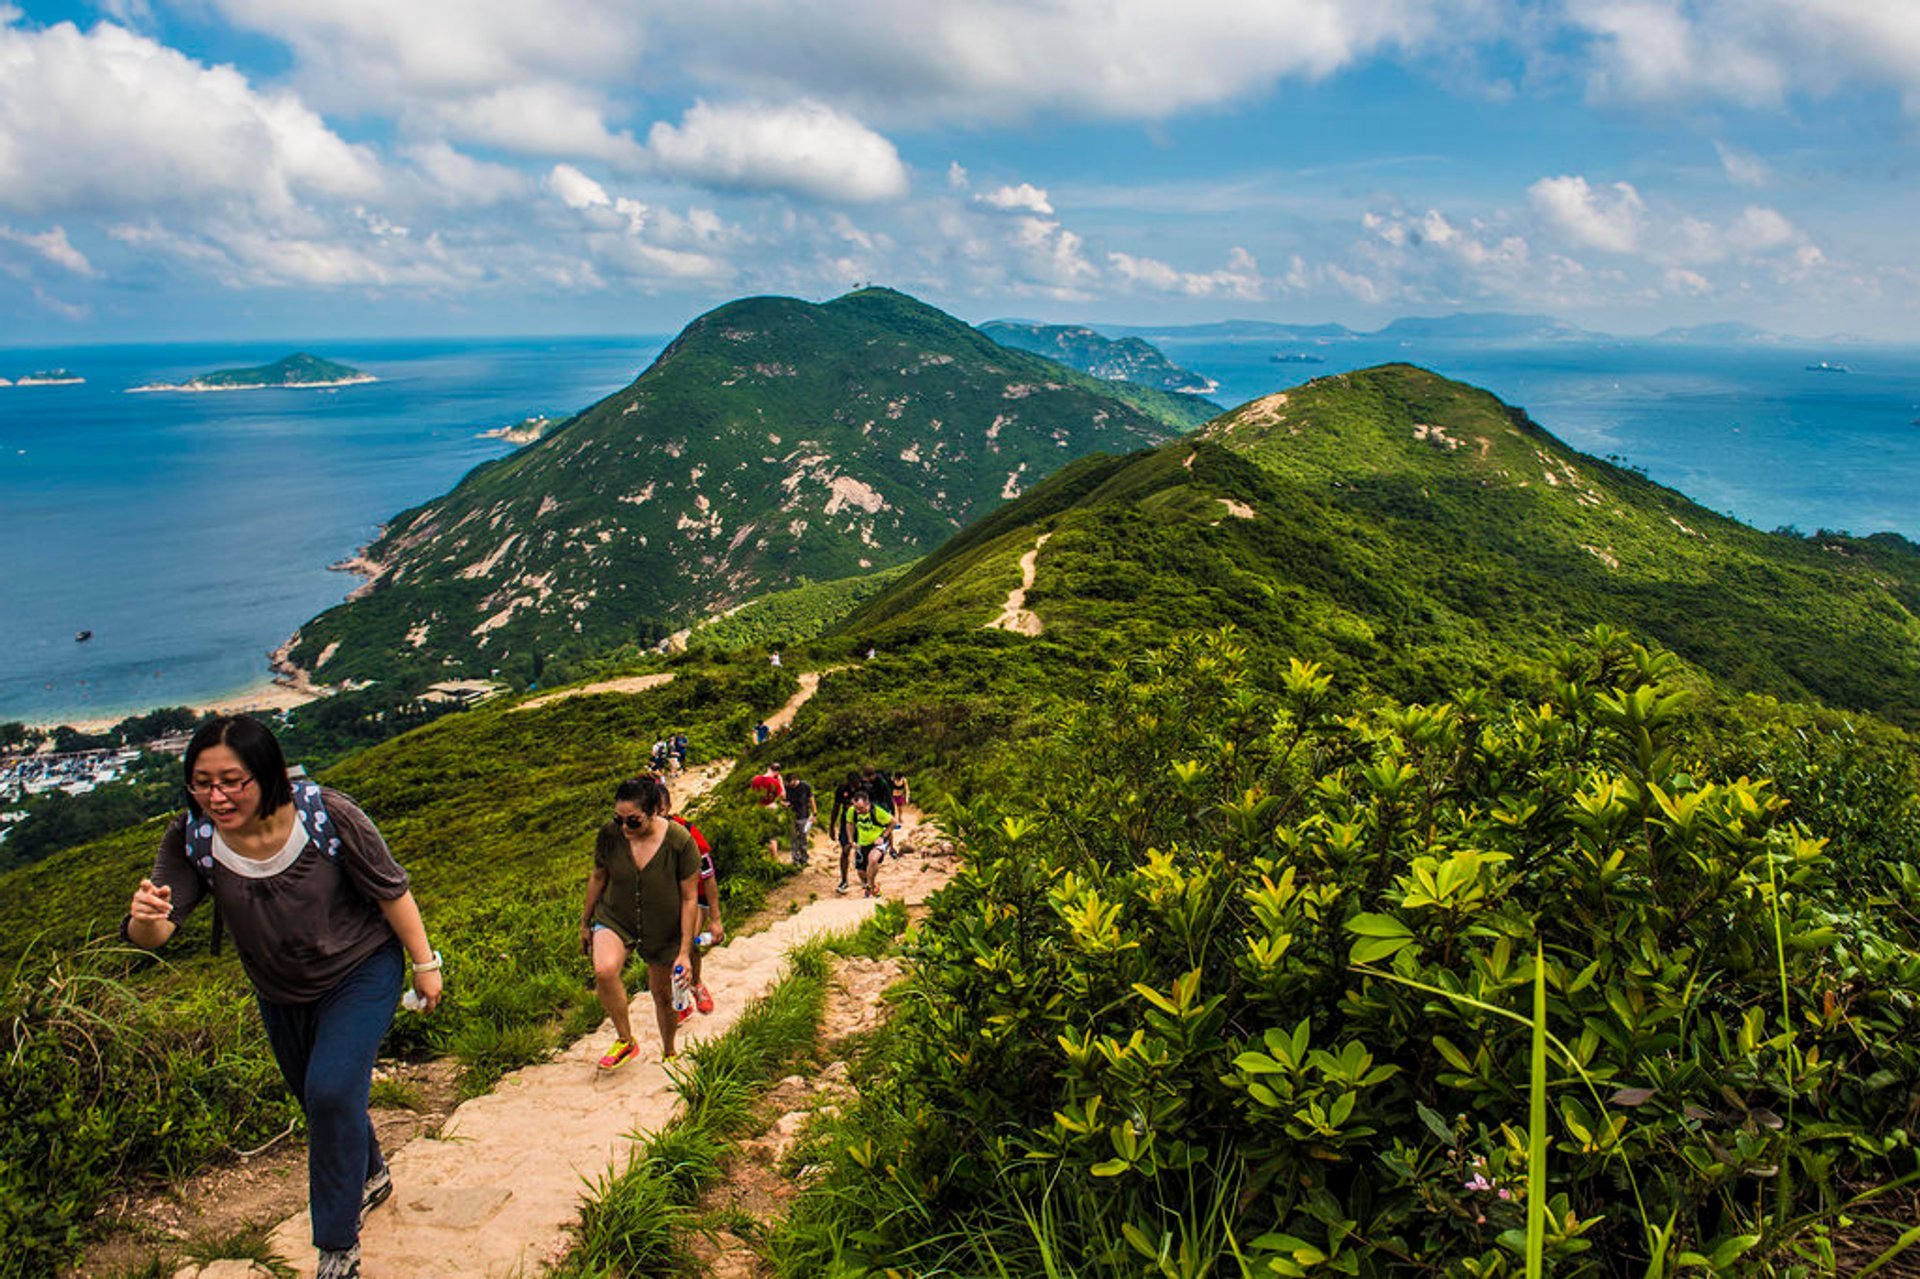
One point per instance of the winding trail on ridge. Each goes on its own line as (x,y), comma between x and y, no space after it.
(494,1193)
(1016,616)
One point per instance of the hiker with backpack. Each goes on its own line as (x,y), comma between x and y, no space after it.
(322,917)
(713,930)
(872,840)
(643,895)
(838,825)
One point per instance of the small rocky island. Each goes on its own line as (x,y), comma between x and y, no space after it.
(47,377)
(526,431)
(302,371)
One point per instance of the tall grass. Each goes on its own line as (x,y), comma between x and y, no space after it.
(634,1221)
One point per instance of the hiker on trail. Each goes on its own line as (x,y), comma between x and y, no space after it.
(877,784)
(837,827)
(902,795)
(768,787)
(711,926)
(776,657)
(872,840)
(761,733)
(679,750)
(801,804)
(771,790)
(321,915)
(643,896)
(657,758)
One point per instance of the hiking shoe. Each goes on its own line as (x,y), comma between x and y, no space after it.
(842,888)
(701,999)
(622,1052)
(339,1263)
(376,1192)
(684,1012)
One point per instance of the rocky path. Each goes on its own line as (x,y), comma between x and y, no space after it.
(1015,615)
(494,1192)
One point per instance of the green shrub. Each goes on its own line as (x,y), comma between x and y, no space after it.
(1249,973)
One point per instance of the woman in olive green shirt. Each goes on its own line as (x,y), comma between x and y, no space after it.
(640,897)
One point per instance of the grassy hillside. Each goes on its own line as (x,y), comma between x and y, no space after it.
(121,1066)
(772,440)
(1420,535)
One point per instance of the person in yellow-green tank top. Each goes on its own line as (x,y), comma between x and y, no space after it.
(872,840)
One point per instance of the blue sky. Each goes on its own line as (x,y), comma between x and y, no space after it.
(308,168)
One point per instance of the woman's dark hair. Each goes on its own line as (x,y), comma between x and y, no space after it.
(650,793)
(259,753)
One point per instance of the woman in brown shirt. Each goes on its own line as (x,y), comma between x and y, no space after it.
(320,913)
(642,896)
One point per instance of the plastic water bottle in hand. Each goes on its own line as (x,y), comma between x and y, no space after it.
(413,1001)
(704,941)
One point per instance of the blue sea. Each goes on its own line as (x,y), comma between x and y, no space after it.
(191,533)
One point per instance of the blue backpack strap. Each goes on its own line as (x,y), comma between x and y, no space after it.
(311,808)
(321,829)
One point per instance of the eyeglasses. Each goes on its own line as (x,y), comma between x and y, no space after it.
(207,790)
(632,821)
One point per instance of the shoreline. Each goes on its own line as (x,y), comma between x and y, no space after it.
(189,388)
(274,693)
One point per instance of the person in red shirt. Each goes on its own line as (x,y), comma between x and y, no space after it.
(769,788)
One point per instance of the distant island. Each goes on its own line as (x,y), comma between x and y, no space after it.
(302,371)
(526,431)
(48,377)
(1294,357)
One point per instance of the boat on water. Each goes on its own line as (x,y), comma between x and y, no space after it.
(81,637)
(1825,367)
(1294,357)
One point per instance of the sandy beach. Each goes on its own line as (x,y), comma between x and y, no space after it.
(268,695)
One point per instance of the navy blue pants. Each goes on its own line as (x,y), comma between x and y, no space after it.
(325,1050)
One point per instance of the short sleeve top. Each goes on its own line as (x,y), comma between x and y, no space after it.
(301,920)
(642,904)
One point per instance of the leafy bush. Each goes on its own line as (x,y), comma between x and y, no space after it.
(1249,975)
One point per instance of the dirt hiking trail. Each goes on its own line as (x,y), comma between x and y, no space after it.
(1015,616)
(495,1191)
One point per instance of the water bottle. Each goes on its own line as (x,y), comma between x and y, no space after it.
(704,941)
(413,1001)
(682,992)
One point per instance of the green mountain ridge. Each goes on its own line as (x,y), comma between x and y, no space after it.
(1424,535)
(1125,359)
(772,439)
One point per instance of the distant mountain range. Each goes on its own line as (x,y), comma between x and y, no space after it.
(772,441)
(1473,326)
(1126,359)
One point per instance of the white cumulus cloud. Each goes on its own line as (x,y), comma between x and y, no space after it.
(1608,219)
(804,148)
(1025,197)
(52,245)
(108,119)
(538,120)
(1009,59)
(1240,278)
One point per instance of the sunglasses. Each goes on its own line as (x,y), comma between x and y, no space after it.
(632,821)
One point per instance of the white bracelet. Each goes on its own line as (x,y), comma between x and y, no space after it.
(431,966)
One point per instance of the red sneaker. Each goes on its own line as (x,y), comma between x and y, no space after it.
(701,999)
